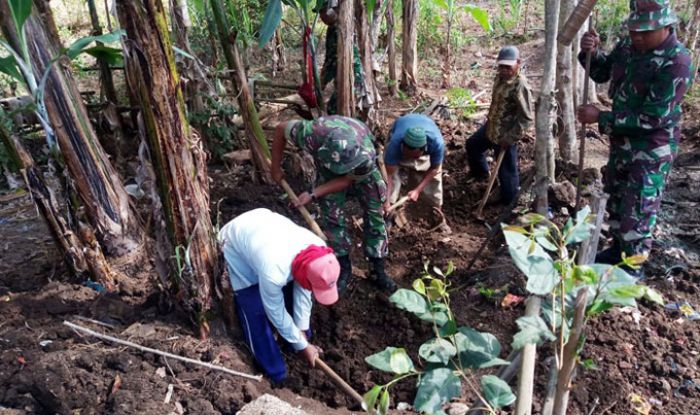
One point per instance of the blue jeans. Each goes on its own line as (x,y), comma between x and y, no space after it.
(258,330)
(508,175)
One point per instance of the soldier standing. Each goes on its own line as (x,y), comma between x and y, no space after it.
(649,72)
(510,115)
(345,157)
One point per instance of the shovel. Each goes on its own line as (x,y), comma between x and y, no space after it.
(492,179)
(339,381)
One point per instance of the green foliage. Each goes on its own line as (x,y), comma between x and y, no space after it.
(462,100)
(452,355)
(610,18)
(272,19)
(216,123)
(507,17)
(546,255)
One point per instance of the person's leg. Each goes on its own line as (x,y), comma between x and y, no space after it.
(508,176)
(614,175)
(476,146)
(258,333)
(334,222)
(371,193)
(641,199)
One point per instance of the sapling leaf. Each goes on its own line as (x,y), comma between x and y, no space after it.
(79,45)
(435,290)
(440,318)
(448,329)
(369,399)
(419,286)
(384,402)
(476,349)
(450,268)
(513,228)
(653,296)
(392,360)
(409,300)
(437,271)
(531,218)
(112,56)
(546,244)
(537,265)
(533,330)
(598,306)
(496,391)
(634,261)
(435,388)
(585,274)
(628,291)
(579,232)
(437,350)
(589,364)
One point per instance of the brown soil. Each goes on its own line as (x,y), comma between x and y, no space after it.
(47,368)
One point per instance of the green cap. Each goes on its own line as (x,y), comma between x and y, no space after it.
(646,15)
(415,137)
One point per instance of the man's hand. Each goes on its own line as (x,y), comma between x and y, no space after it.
(386,206)
(504,145)
(414,194)
(590,41)
(588,114)
(276,173)
(310,354)
(302,199)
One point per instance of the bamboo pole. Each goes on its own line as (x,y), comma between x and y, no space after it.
(137,346)
(526,376)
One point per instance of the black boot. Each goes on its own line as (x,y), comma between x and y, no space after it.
(345,273)
(381,279)
(611,255)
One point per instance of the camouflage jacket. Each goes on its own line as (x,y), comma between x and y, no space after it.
(646,89)
(339,145)
(510,114)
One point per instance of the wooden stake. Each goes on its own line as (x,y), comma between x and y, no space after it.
(136,346)
(492,180)
(339,381)
(526,376)
(397,205)
(582,143)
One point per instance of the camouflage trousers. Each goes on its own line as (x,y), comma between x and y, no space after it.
(635,180)
(415,170)
(371,193)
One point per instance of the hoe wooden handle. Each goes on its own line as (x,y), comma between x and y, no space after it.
(492,180)
(339,381)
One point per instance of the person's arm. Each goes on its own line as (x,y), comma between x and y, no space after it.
(432,172)
(302,307)
(658,110)
(273,302)
(334,185)
(279,142)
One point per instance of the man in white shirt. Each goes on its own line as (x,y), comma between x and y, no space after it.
(274,266)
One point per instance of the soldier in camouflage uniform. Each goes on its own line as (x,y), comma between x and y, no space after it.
(328,10)
(510,115)
(345,157)
(649,72)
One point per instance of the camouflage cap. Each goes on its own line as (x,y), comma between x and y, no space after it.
(646,15)
(341,155)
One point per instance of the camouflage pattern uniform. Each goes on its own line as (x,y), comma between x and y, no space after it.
(644,126)
(344,146)
(330,69)
(510,115)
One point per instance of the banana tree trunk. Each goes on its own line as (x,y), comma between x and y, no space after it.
(103,197)
(344,79)
(70,246)
(409,58)
(256,136)
(186,240)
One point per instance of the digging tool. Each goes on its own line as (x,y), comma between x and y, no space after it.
(492,180)
(339,381)
(302,209)
(397,205)
(582,139)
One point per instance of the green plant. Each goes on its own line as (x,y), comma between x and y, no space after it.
(217,125)
(462,100)
(574,293)
(507,16)
(451,356)
(610,18)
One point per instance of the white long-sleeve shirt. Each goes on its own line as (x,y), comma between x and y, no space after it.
(259,247)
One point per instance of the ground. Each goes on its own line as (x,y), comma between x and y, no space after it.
(45,367)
